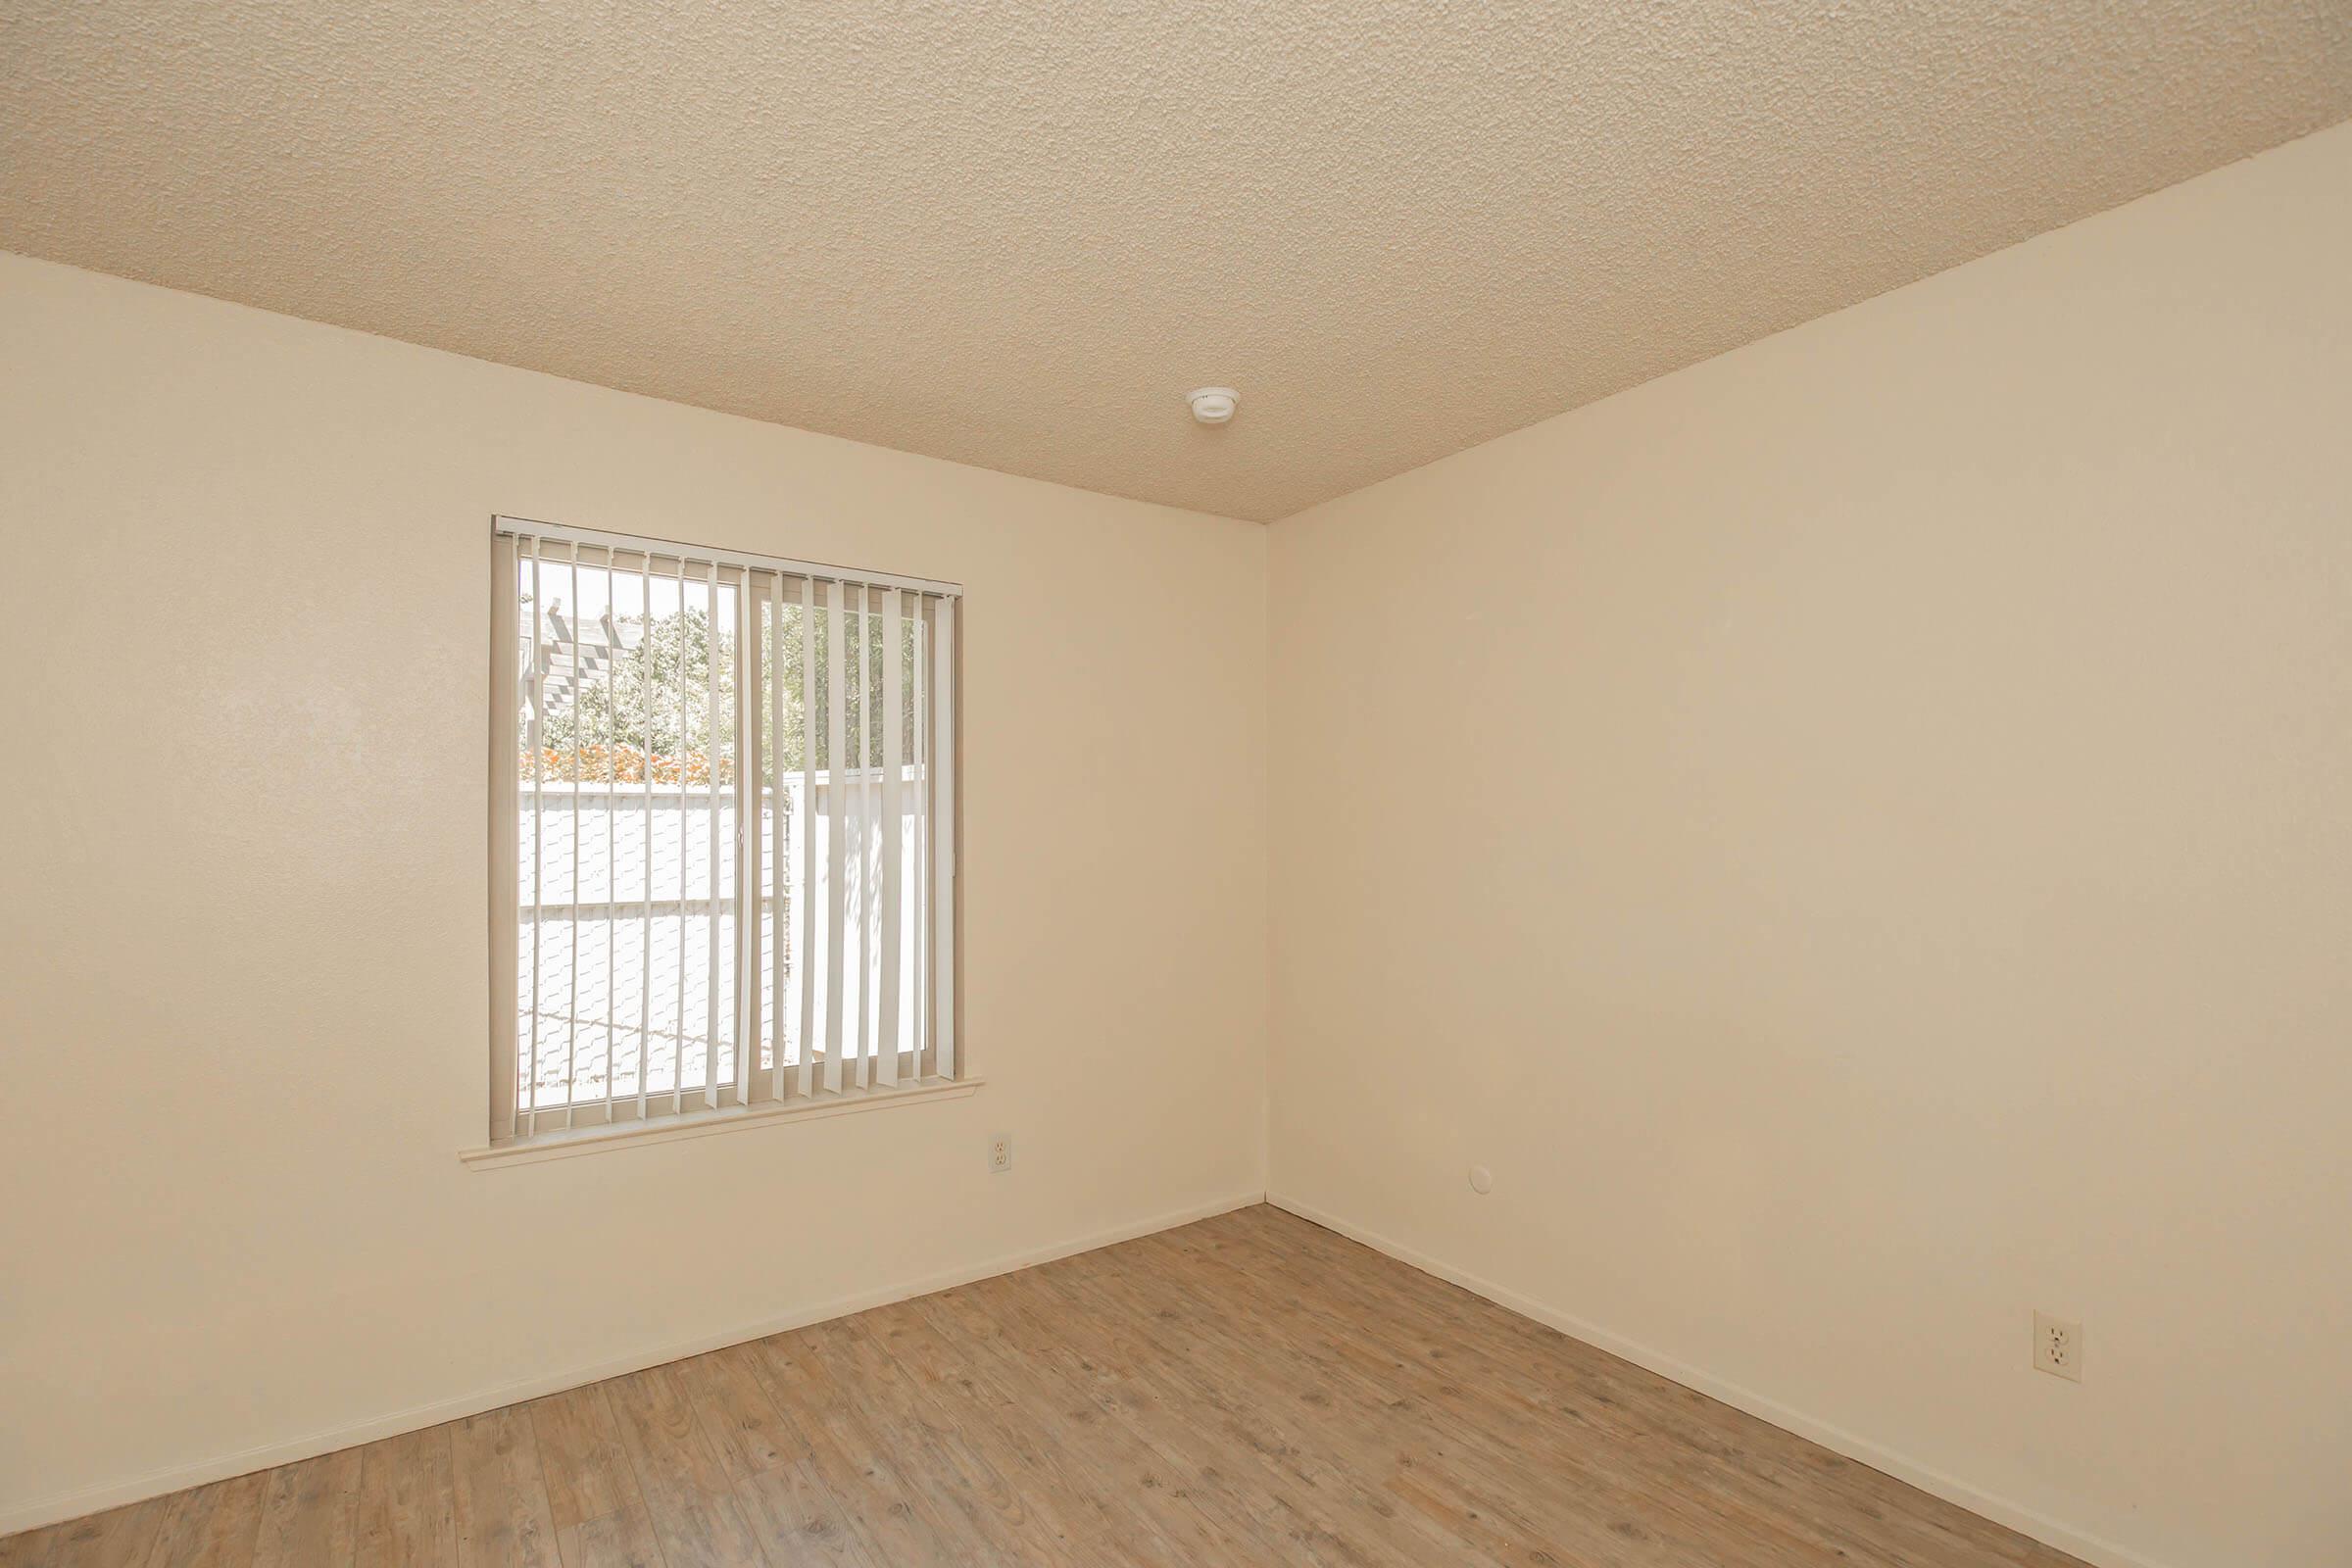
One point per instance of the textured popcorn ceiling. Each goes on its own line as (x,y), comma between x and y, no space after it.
(1016,234)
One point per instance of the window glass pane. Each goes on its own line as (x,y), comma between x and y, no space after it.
(617,687)
(632,766)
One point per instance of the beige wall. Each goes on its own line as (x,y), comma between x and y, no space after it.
(1858,836)
(246,563)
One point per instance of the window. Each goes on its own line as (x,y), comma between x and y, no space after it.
(723,835)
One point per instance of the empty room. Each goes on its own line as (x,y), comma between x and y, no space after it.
(1009,785)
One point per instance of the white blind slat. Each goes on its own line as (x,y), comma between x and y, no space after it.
(943,833)
(862,888)
(779,873)
(894,933)
(571,947)
(748,917)
(677,1065)
(645,880)
(803,825)
(915,798)
(526,1115)
(836,869)
(918,886)
(611,811)
(710,760)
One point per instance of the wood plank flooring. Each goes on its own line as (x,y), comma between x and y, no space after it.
(1248,1390)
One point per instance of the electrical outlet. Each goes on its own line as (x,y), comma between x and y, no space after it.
(2057,1347)
(999,1154)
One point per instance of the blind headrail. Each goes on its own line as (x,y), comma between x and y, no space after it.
(674,550)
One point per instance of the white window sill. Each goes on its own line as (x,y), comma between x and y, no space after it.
(565,1143)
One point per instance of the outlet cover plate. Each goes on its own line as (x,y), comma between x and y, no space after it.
(2057,1347)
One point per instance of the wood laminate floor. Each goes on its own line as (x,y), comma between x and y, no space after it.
(1250,1390)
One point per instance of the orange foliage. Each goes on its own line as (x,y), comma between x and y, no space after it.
(623,765)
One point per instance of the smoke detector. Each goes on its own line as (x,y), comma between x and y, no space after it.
(1213,405)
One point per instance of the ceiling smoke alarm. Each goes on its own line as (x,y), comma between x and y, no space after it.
(1213,405)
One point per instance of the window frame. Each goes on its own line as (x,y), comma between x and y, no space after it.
(615,1119)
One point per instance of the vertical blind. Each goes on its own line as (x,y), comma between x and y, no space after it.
(723,808)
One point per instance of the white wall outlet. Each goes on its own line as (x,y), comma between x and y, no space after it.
(2057,1347)
(999,1154)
